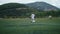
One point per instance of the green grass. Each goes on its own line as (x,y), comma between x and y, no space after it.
(25,26)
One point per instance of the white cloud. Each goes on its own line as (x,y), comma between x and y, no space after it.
(54,2)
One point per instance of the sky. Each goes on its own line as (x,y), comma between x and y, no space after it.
(52,2)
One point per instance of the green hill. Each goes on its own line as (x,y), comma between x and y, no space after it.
(11,6)
(15,10)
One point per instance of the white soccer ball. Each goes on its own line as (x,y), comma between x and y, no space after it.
(33,21)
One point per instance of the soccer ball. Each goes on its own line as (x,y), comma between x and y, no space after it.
(33,21)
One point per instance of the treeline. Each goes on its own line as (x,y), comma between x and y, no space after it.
(15,13)
(47,13)
(16,10)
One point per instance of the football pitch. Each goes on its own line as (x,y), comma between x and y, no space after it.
(25,26)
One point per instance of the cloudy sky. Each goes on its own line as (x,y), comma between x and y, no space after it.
(53,2)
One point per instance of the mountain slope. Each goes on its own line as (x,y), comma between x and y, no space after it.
(12,6)
(42,6)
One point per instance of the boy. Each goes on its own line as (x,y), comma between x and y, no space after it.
(33,17)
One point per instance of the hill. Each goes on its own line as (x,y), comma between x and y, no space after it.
(42,6)
(15,10)
(11,6)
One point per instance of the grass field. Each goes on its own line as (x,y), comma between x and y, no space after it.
(25,26)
